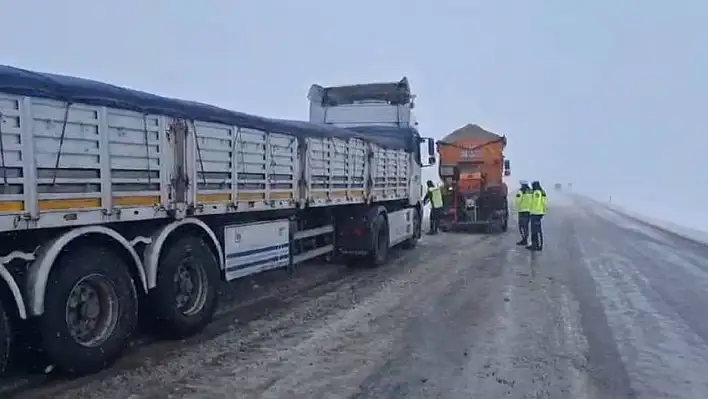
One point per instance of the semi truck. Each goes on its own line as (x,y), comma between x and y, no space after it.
(116,202)
(472,169)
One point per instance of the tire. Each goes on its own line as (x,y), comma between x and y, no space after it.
(5,340)
(379,253)
(417,232)
(85,281)
(187,265)
(505,224)
(494,226)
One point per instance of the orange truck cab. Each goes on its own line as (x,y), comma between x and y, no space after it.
(472,169)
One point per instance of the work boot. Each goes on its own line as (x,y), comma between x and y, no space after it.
(533,248)
(522,242)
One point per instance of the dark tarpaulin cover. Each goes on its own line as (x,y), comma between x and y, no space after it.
(392,135)
(393,92)
(78,90)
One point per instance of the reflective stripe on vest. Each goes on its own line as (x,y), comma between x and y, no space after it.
(523,201)
(435,197)
(538,203)
(527,200)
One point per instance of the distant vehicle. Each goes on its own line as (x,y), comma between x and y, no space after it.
(558,186)
(472,168)
(116,202)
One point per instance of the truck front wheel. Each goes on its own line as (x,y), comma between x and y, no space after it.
(5,339)
(417,231)
(91,309)
(185,298)
(379,252)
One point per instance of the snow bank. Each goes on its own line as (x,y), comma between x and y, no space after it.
(691,224)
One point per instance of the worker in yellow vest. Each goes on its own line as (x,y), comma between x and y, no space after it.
(434,195)
(523,207)
(537,210)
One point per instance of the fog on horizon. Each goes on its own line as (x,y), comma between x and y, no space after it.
(606,95)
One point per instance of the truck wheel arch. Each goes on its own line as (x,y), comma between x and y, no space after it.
(376,211)
(153,250)
(14,289)
(39,269)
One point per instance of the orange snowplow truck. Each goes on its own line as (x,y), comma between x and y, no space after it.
(472,169)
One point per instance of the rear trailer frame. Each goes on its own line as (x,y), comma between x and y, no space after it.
(489,212)
(154,202)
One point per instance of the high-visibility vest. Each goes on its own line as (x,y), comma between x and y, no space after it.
(523,201)
(539,203)
(435,197)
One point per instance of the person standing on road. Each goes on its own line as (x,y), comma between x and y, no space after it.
(434,195)
(537,210)
(523,207)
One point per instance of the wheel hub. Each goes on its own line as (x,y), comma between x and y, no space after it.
(190,284)
(92,310)
(185,286)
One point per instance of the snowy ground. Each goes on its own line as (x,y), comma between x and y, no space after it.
(612,308)
(692,224)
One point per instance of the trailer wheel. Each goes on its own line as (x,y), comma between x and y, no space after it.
(5,339)
(91,309)
(413,241)
(185,298)
(505,224)
(495,226)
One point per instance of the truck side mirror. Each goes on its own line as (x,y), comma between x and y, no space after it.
(431,151)
(507,164)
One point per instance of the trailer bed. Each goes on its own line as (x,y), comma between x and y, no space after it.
(68,163)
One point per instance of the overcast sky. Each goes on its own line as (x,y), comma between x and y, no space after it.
(611,95)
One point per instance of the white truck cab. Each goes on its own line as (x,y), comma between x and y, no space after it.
(379,104)
(383,108)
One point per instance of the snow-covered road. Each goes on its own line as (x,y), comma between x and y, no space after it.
(612,308)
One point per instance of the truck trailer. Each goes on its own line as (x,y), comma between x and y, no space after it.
(116,202)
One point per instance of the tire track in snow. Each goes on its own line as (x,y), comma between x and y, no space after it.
(663,356)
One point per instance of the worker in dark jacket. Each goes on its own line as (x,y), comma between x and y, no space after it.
(539,205)
(523,207)
(434,195)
